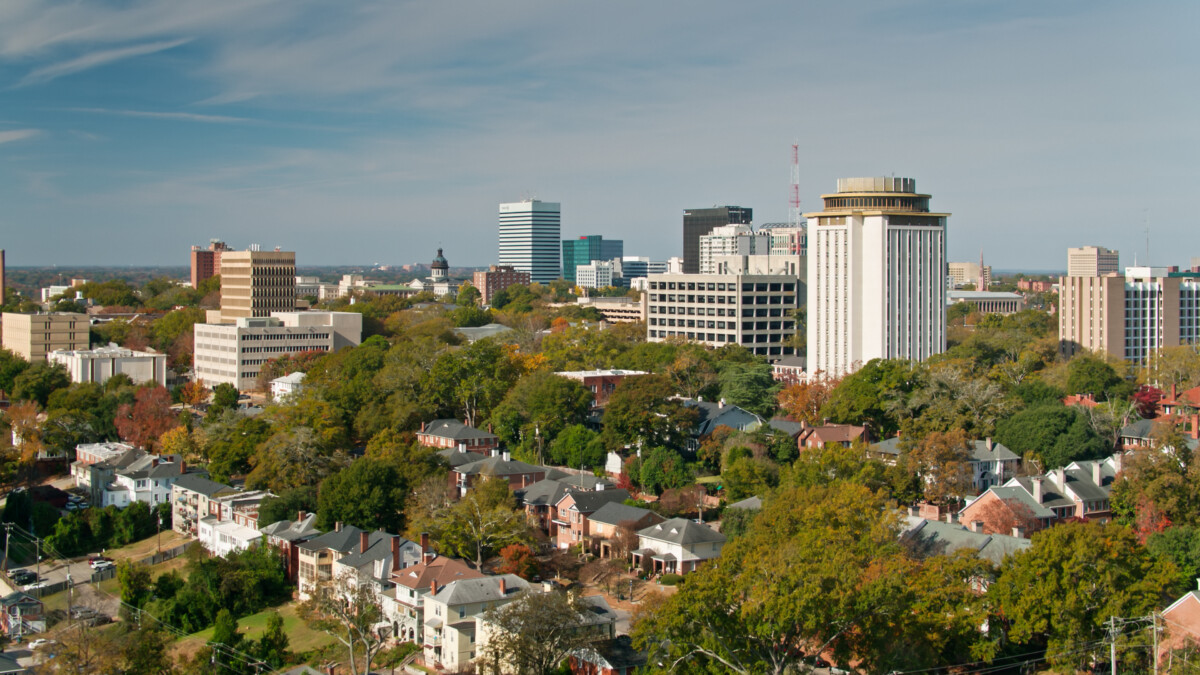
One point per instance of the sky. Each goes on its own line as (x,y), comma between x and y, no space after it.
(374,132)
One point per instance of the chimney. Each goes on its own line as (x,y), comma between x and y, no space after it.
(504,456)
(1172,392)
(1097,475)
(489,427)
(329,669)
(721,403)
(1196,426)
(987,443)
(949,518)
(976,526)
(427,553)
(337,527)
(433,586)
(495,451)
(503,587)
(300,516)
(1018,532)
(1060,477)
(364,540)
(154,462)
(1117,458)
(396,553)
(422,427)
(1037,489)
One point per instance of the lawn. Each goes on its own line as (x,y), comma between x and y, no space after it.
(177,565)
(148,546)
(301,638)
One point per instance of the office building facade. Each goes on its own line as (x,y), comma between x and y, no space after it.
(257,283)
(876,276)
(530,238)
(97,365)
(1092,261)
(962,273)
(497,278)
(206,262)
(34,336)
(730,240)
(1129,316)
(586,250)
(598,274)
(755,311)
(699,222)
(234,353)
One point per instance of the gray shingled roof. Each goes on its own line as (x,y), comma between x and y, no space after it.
(498,466)
(195,482)
(589,501)
(457,458)
(748,503)
(455,430)
(713,415)
(342,541)
(935,538)
(486,589)
(291,530)
(681,531)
(615,513)
(545,492)
(786,426)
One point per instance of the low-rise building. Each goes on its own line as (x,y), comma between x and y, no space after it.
(97,365)
(190,497)
(286,387)
(23,615)
(618,309)
(232,523)
(789,370)
(612,529)
(451,613)
(1182,629)
(234,353)
(711,415)
(286,536)
(499,465)
(572,513)
(609,657)
(602,383)
(378,557)
(317,556)
(450,433)
(115,474)
(34,336)
(988,302)
(497,278)
(991,463)
(1079,490)
(405,608)
(677,546)
(843,435)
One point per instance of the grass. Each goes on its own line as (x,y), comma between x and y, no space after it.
(301,638)
(148,546)
(706,480)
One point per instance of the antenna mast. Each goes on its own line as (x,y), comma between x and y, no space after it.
(794,197)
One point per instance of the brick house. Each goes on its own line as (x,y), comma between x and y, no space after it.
(499,465)
(1182,619)
(455,434)
(1078,490)
(789,370)
(991,463)
(843,435)
(604,526)
(572,511)
(602,383)
(286,536)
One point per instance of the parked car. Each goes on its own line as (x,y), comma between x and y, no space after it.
(82,612)
(22,577)
(34,586)
(98,620)
(41,642)
(98,559)
(101,565)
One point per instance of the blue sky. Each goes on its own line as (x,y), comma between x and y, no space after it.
(361,132)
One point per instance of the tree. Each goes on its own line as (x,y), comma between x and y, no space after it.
(692,373)
(287,505)
(224,397)
(1174,366)
(641,412)
(518,559)
(148,418)
(1088,374)
(864,394)
(1003,516)
(820,569)
(272,646)
(11,366)
(749,386)
(81,649)
(1145,401)
(178,441)
(369,494)
(577,446)
(942,461)
(1059,593)
(134,581)
(348,608)
(472,381)
(535,633)
(468,295)
(228,442)
(225,632)
(803,402)
(1053,433)
(541,403)
(291,459)
(38,381)
(1161,478)
(481,523)
(747,477)
(663,468)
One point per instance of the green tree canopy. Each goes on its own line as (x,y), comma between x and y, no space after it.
(369,494)
(642,413)
(541,403)
(1055,434)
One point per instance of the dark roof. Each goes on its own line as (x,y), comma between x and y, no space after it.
(455,430)
(457,458)
(618,653)
(343,541)
(786,426)
(195,482)
(498,466)
(291,530)
(1139,429)
(590,501)
(18,598)
(681,531)
(586,481)
(938,538)
(713,415)
(545,492)
(483,589)
(615,513)
(9,664)
(379,547)
(792,362)
(748,503)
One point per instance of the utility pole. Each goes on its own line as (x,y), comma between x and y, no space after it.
(7,536)
(1112,635)
(38,549)
(70,591)
(1154,627)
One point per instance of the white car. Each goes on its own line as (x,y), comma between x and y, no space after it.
(40,642)
(101,565)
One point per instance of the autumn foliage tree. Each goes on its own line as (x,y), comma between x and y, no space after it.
(943,462)
(193,393)
(518,559)
(803,401)
(147,419)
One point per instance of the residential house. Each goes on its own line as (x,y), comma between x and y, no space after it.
(286,536)
(595,621)
(450,614)
(454,434)
(747,504)
(499,465)
(677,546)
(935,537)
(606,524)
(1079,490)
(317,555)
(991,463)
(610,657)
(572,511)
(405,608)
(539,500)
(458,456)
(1145,433)
(843,435)
(23,615)
(1085,400)
(785,426)
(232,523)
(378,556)
(711,415)
(287,387)
(96,463)
(1175,402)
(1182,629)
(602,383)
(190,496)
(115,474)
(790,370)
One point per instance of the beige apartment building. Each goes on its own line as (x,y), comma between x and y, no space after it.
(257,283)
(963,273)
(1129,316)
(1092,261)
(33,336)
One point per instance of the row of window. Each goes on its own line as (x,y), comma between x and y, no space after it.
(720,311)
(715,337)
(772,287)
(721,325)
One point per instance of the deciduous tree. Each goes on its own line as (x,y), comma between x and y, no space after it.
(803,402)
(481,523)
(641,412)
(535,633)
(348,609)
(148,418)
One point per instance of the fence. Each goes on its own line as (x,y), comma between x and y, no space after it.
(154,559)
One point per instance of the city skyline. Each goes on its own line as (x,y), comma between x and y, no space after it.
(375,133)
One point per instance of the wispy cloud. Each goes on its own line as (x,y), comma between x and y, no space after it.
(179,116)
(96,59)
(18,135)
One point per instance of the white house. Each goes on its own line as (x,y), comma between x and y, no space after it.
(97,365)
(287,386)
(451,613)
(677,545)
(231,523)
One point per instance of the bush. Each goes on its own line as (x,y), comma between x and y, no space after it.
(670,579)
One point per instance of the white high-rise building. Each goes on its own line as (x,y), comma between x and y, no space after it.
(598,274)
(530,238)
(730,240)
(876,276)
(1091,261)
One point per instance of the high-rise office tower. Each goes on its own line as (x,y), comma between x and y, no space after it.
(586,250)
(530,238)
(256,283)
(699,222)
(1091,261)
(206,262)
(2,297)
(876,276)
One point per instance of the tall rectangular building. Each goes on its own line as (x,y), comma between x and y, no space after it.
(257,283)
(3,298)
(530,238)
(1129,316)
(699,222)
(495,279)
(206,262)
(33,336)
(1091,261)
(586,250)
(876,276)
